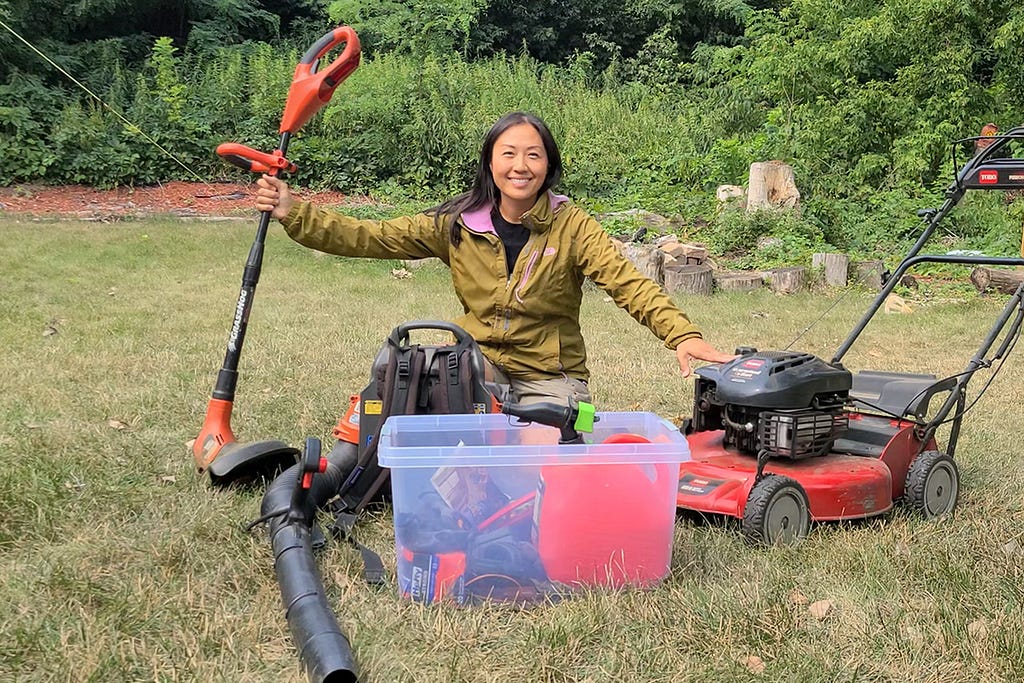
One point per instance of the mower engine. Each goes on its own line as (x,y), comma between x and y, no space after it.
(776,403)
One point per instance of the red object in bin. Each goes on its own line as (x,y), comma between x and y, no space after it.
(604,524)
(429,577)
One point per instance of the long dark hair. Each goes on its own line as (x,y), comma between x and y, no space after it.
(483,191)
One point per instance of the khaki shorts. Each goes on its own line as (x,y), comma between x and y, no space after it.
(557,389)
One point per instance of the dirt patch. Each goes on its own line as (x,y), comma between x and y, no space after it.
(176,198)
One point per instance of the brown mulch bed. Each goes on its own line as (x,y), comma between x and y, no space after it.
(175,198)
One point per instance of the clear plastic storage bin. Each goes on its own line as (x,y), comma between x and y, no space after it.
(487,507)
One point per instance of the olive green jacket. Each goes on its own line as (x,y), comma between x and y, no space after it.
(527,321)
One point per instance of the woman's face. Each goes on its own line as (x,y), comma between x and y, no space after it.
(519,165)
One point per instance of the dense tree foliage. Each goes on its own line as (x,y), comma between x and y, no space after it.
(655,101)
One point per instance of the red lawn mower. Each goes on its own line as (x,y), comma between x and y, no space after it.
(779,439)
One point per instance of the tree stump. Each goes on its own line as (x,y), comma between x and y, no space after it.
(692,279)
(649,260)
(772,186)
(785,280)
(1004,281)
(869,273)
(835,266)
(738,282)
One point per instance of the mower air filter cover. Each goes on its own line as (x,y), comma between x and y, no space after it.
(779,380)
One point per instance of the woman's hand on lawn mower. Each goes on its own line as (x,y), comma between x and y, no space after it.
(273,195)
(696,348)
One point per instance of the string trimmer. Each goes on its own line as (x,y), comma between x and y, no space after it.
(216,449)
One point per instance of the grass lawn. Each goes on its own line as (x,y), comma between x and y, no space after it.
(119,563)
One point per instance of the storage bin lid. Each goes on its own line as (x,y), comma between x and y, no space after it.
(495,439)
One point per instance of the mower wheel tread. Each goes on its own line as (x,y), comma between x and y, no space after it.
(777,512)
(932,486)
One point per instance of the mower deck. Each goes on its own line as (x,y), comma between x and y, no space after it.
(719,480)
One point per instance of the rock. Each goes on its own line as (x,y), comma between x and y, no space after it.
(729,193)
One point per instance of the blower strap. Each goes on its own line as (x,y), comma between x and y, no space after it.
(399,393)
(344,528)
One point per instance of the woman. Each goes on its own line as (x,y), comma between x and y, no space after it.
(518,255)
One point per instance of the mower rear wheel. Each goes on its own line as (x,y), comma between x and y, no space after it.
(932,487)
(777,512)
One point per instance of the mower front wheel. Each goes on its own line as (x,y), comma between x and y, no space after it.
(777,512)
(932,487)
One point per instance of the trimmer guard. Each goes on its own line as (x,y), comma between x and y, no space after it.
(251,462)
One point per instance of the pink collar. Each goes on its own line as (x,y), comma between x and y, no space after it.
(479,220)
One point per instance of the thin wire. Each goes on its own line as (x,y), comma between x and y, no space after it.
(96,97)
(821,317)
(264,518)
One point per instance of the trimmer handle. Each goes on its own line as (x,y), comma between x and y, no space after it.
(312,89)
(249,159)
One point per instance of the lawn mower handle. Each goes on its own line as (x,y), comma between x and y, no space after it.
(932,217)
(957,393)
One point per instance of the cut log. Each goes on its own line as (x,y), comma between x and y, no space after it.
(868,273)
(692,279)
(772,186)
(835,266)
(785,280)
(695,253)
(1004,281)
(649,260)
(738,282)
(692,254)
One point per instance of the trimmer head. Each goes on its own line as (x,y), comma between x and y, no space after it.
(231,463)
(242,464)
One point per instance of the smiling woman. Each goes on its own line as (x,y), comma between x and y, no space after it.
(519,166)
(518,254)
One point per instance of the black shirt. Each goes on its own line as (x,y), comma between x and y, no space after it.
(512,235)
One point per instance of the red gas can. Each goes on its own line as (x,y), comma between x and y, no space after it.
(606,524)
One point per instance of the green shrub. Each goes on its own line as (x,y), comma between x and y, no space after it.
(762,239)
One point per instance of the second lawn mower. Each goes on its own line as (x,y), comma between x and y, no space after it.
(779,439)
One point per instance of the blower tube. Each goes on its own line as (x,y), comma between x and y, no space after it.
(322,645)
